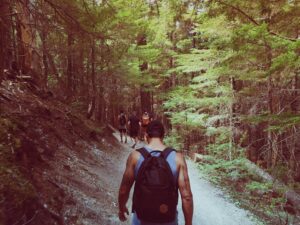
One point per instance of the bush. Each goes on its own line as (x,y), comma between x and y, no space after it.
(257,186)
(174,140)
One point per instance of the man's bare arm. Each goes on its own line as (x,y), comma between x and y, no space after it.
(126,184)
(185,190)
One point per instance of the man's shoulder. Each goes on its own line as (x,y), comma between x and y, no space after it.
(135,154)
(179,158)
(134,157)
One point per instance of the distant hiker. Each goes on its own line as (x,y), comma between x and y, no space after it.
(144,123)
(158,172)
(122,125)
(134,127)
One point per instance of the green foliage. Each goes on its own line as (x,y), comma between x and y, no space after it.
(278,123)
(196,61)
(258,186)
(180,98)
(220,169)
(175,140)
(188,119)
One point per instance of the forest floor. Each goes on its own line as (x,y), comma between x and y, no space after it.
(57,167)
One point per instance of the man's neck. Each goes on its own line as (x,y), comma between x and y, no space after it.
(156,144)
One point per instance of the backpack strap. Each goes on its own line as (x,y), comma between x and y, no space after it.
(165,153)
(144,152)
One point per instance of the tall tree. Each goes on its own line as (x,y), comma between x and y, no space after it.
(5,30)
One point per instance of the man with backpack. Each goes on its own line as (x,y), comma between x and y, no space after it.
(122,125)
(134,127)
(158,172)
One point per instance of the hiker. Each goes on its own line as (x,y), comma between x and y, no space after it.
(122,125)
(134,126)
(158,172)
(144,123)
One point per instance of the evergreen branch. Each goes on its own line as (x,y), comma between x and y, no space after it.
(58,10)
(254,21)
(240,11)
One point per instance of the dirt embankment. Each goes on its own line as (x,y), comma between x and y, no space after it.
(56,167)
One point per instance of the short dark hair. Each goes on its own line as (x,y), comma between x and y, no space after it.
(122,111)
(155,129)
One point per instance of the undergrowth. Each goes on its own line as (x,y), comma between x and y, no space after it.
(15,187)
(250,191)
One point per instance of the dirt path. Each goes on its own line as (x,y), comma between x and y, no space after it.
(211,206)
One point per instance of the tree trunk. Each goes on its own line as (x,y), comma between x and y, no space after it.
(231,122)
(144,92)
(80,76)
(5,26)
(2,41)
(70,64)
(145,99)
(295,104)
(25,37)
(295,107)
(93,80)
(45,61)
(93,77)
(52,65)
(272,153)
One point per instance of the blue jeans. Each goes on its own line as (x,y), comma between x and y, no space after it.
(136,221)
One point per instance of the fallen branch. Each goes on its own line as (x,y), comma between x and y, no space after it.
(199,158)
(292,197)
(5,97)
(258,171)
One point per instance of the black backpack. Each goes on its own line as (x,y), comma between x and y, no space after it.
(122,120)
(155,194)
